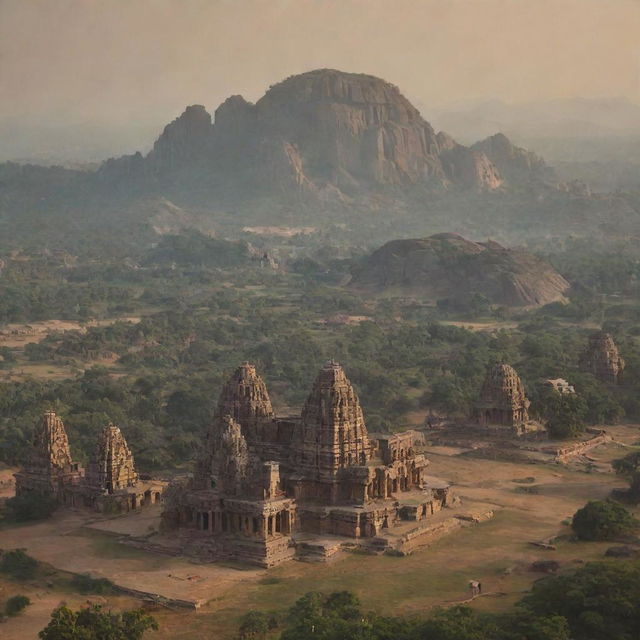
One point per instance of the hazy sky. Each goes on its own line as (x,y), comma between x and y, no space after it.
(117,60)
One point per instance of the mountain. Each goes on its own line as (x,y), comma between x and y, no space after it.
(344,152)
(447,266)
(321,133)
(571,118)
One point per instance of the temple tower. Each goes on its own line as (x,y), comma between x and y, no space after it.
(50,466)
(333,434)
(112,467)
(502,400)
(245,398)
(602,359)
(231,462)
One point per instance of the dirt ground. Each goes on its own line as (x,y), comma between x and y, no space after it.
(532,502)
(18,335)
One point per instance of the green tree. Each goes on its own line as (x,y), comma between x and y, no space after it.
(629,467)
(566,413)
(92,623)
(599,601)
(603,520)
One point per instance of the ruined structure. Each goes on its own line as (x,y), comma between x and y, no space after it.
(265,486)
(503,402)
(561,386)
(110,484)
(602,359)
(49,470)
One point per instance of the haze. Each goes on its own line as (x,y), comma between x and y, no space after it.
(137,64)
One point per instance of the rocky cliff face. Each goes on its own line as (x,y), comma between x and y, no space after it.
(447,266)
(514,163)
(318,131)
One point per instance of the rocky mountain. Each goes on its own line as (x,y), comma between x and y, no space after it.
(447,266)
(320,133)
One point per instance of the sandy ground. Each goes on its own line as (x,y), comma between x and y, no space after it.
(497,552)
(73,542)
(18,335)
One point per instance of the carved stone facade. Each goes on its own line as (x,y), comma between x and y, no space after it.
(110,484)
(602,359)
(49,470)
(260,490)
(503,402)
(112,468)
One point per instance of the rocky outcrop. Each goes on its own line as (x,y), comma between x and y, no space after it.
(602,358)
(112,467)
(333,433)
(318,133)
(184,142)
(514,163)
(503,401)
(447,266)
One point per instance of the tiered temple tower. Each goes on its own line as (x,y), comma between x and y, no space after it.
(503,401)
(602,358)
(333,434)
(50,467)
(112,468)
(245,398)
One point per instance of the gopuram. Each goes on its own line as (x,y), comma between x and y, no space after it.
(267,486)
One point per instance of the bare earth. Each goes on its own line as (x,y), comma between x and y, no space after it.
(497,552)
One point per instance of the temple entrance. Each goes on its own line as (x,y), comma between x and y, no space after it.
(205,521)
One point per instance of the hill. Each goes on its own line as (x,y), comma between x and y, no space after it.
(448,266)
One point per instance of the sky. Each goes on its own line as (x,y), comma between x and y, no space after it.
(137,60)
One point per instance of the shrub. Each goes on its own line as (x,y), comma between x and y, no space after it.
(16,604)
(84,583)
(603,520)
(18,564)
(30,507)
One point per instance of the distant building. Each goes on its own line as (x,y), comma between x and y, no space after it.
(602,358)
(561,386)
(503,404)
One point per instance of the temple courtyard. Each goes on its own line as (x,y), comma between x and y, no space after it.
(531,499)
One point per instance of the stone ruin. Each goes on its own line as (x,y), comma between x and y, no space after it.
(266,486)
(50,469)
(602,359)
(109,484)
(503,404)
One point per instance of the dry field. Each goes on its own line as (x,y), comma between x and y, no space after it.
(497,552)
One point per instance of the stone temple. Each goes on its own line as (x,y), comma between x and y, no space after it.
(110,483)
(267,488)
(49,469)
(602,359)
(503,404)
